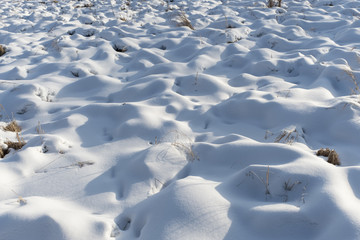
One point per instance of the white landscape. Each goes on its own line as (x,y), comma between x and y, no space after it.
(171,119)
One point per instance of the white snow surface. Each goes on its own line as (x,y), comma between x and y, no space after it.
(139,128)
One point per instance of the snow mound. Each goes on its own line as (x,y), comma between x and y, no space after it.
(179,119)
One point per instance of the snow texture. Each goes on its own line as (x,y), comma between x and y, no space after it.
(178,119)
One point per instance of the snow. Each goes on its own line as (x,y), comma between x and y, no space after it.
(139,128)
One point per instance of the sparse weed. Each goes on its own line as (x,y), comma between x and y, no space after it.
(356,89)
(190,155)
(236,39)
(6,115)
(39,129)
(122,18)
(12,126)
(288,186)
(264,181)
(155,142)
(227,25)
(75,73)
(20,200)
(287,136)
(184,143)
(196,81)
(181,142)
(184,21)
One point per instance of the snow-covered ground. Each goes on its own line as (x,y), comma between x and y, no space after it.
(137,127)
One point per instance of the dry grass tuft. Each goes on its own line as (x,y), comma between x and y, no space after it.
(2,50)
(288,186)
(16,145)
(118,48)
(13,126)
(181,142)
(39,129)
(184,21)
(272,3)
(86,5)
(323,152)
(356,89)
(122,18)
(3,152)
(20,200)
(236,39)
(264,181)
(288,136)
(332,155)
(83,164)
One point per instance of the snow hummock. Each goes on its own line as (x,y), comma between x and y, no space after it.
(138,127)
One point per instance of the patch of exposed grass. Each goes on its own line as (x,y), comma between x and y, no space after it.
(86,5)
(331,154)
(3,152)
(15,145)
(2,50)
(12,126)
(272,3)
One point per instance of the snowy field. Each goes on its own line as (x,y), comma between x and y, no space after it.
(169,119)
